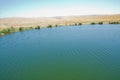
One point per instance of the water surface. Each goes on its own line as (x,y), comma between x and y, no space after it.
(88,52)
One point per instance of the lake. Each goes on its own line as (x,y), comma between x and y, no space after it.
(87,52)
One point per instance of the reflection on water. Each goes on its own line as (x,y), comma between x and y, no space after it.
(88,52)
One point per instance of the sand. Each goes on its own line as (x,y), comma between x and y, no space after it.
(33,22)
(17,23)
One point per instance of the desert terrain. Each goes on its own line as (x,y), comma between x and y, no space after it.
(18,23)
(32,22)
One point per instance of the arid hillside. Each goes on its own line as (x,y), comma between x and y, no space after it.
(32,22)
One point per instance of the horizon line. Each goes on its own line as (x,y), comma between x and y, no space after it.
(65,16)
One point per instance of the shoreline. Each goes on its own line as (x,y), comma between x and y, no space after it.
(11,25)
(10,30)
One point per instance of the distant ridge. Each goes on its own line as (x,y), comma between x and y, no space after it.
(59,20)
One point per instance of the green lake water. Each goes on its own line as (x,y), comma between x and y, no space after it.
(87,52)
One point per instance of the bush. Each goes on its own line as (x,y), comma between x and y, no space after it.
(114,23)
(56,25)
(5,31)
(38,27)
(21,29)
(100,23)
(93,23)
(80,24)
(76,24)
(49,26)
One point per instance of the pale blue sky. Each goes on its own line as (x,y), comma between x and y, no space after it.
(50,8)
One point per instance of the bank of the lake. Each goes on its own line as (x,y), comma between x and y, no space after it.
(10,30)
(9,25)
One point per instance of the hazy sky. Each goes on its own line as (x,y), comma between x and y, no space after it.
(50,8)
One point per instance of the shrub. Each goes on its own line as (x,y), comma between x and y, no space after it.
(93,23)
(21,29)
(76,24)
(56,25)
(38,27)
(114,23)
(80,24)
(49,26)
(5,31)
(100,23)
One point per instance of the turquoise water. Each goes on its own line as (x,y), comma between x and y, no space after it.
(88,52)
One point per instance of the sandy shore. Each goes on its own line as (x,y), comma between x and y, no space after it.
(59,21)
(32,22)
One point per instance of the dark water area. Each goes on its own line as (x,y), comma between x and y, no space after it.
(88,52)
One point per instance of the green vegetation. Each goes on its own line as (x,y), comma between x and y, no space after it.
(21,29)
(56,25)
(49,26)
(38,27)
(12,30)
(100,23)
(70,24)
(93,23)
(114,22)
(7,31)
(31,28)
(76,24)
(80,24)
